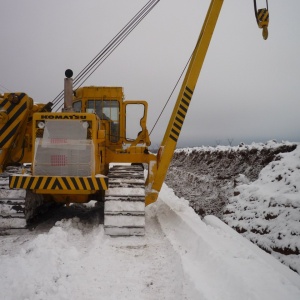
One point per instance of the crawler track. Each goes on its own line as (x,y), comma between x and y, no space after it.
(124,209)
(12,203)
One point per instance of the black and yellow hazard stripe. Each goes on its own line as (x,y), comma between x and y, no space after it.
(58,182)
(263,15)
(181,113)
(15,117)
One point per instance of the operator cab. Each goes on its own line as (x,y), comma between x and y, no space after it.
(106,103)
(123,121)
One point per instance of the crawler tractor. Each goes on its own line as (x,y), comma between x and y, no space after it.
(91,150)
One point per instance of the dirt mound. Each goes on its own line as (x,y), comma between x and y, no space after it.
(207,176)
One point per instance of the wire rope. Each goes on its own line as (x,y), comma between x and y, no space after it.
(170,95)
(115,39)
(94,64)
(3,88)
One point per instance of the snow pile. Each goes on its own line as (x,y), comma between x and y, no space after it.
(220,263)
(267,211)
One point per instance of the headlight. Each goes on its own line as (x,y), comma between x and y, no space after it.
(13,98)
(41,125)
(85,125)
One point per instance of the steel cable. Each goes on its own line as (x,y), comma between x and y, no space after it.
(108,49)
(170,95)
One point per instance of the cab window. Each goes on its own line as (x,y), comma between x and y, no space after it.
(108,110)
(77,106)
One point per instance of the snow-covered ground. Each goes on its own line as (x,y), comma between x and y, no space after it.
(180,257)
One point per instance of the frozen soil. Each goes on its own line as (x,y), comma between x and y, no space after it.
(207,176)
(253,188)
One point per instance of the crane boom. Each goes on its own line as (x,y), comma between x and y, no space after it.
(172,133)
(158,172)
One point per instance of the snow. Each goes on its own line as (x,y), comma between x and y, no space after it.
(180,257)
(257,146)
(220,263)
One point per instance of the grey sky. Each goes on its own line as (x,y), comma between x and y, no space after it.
(248,89)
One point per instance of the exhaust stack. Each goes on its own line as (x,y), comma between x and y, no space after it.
(68,91)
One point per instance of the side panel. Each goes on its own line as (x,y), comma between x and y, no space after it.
(14,111)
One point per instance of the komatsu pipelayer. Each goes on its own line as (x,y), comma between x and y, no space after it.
(70,151)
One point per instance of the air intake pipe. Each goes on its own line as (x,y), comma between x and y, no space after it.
(68,91)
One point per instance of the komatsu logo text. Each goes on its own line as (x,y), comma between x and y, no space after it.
(62,117)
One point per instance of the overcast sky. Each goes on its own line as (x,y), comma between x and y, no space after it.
(248,89)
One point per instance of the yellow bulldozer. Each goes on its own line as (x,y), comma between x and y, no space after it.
(85,152)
